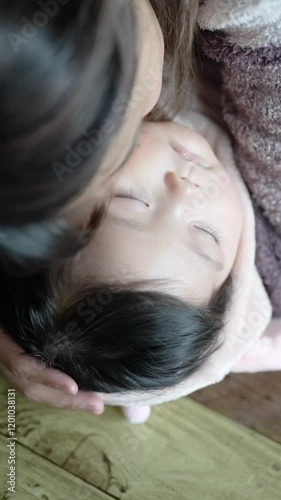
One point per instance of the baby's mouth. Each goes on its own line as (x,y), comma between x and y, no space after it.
(185,153)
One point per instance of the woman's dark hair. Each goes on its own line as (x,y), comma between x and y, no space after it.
(112,339)
(63,65)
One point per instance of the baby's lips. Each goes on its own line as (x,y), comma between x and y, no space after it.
(185,153)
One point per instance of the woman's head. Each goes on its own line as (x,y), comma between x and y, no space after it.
(70,74)
(70,79)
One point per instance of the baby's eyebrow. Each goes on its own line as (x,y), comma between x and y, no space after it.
(215,264)
(97,216)
(136,225)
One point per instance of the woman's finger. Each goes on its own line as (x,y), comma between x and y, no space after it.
(43,394)
(36,371)
(41,383)
(23,366)
(83,400)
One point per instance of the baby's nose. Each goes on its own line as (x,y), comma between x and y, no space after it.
(180,182)
(181,192)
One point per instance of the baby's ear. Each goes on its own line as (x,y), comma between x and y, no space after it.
(136,414)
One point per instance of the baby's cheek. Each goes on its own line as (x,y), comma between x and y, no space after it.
(232,203)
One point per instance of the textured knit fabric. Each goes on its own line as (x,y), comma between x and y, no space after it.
(244,36)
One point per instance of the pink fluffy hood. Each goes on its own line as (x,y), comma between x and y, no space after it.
(250,310)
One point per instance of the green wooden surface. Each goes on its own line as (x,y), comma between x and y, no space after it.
(185,451)
(37,478)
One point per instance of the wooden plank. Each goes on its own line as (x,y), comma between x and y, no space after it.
(251,399)
(39,479)
(185,451)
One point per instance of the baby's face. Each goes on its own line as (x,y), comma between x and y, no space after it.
(174,215)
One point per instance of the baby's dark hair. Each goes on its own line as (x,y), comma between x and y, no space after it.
(112,338)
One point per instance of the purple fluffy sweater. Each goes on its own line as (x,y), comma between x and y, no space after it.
(249,52)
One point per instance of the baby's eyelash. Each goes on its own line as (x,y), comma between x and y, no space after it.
(132,193)
(215,233)
(212,231)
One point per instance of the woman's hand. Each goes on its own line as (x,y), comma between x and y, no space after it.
(40,383)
